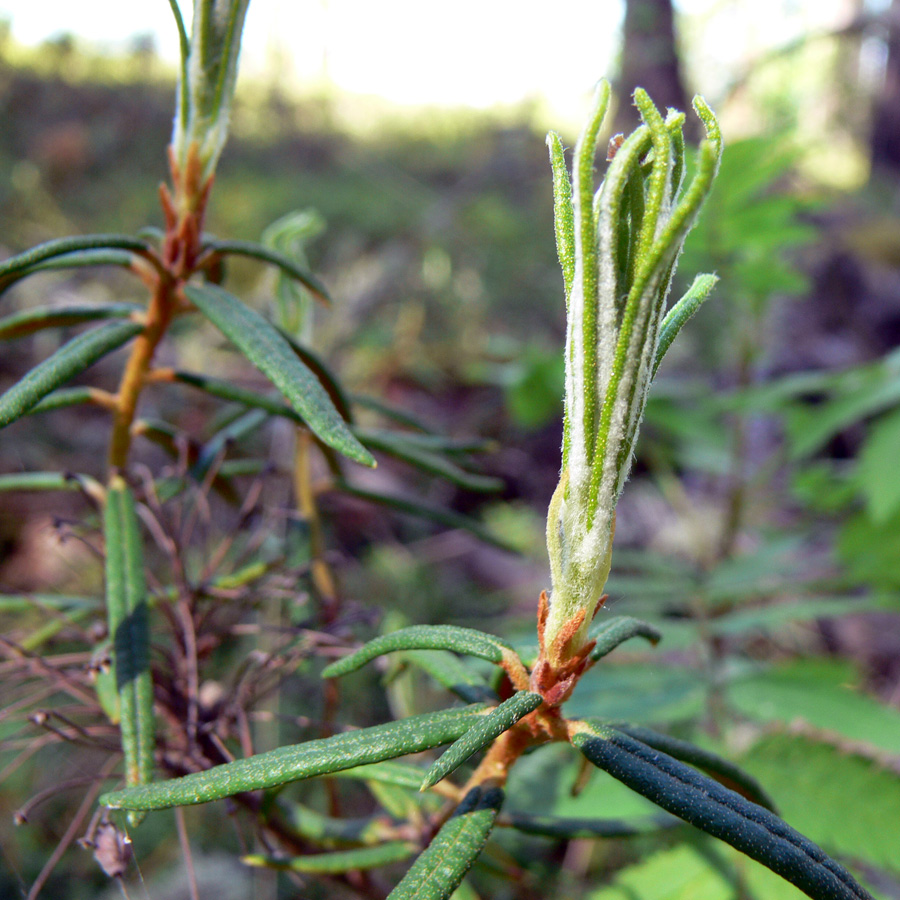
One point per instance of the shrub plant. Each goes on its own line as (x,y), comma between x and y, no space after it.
(618,246)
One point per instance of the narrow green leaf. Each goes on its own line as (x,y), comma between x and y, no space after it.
(84,259)
(327,378)
(63,398)
(226,390)
(679,315)
(152,234)
(126,606)
(17,267)
(259,341)
(705,804)
(423,637)
(396,445)
(486,730)
(235,468)
(19,603)
(427,511)
(293,763)
(453,850)
(572,829)
(392,772)
(563,211)
(450,672)
(464,891)
(29,321)
(657,181)
(399,803)
(436,443)
(36,639)
(237,429)
(619,629)
(585,227)
(70,360)
(267,254)
(80,260)
(335,832)
(724,771)
(184,46)
(339,861)
(392,413)
(45,481)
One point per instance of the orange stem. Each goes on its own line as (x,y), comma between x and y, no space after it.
(159,315)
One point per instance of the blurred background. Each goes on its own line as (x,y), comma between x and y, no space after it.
(761,526)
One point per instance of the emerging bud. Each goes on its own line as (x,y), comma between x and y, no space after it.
(209,65)
(618,250)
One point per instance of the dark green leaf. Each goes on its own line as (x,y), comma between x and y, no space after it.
(423,637)
(427,511)
(619,629)
(226,390)
(572,829)
(435,443)
(484,732)
(395,444)
(339,861)
(126,606)
(392,413)
(259,341)
(724,771)
(17,267)
(81,260)
(453,850)
(842,800)
(266,254)
(330,832)
(29,321)
(704,803)
(292,763)
(65,364)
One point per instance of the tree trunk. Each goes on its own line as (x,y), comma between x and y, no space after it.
(649,60)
